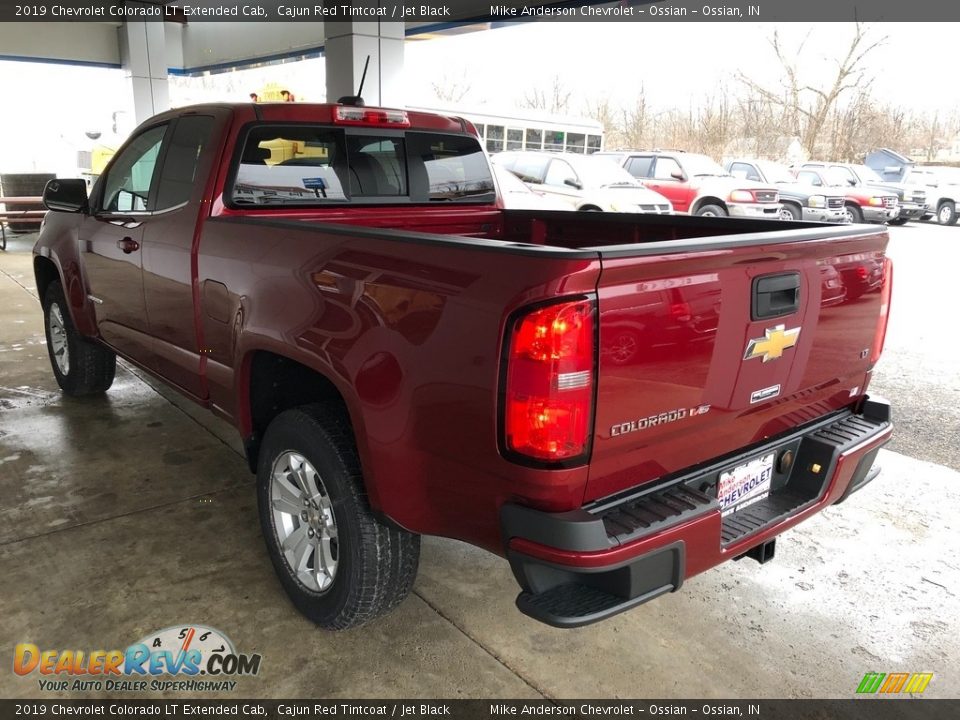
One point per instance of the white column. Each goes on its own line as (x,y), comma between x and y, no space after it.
(143,56)
(346,48)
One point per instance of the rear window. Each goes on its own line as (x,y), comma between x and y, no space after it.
(319,165)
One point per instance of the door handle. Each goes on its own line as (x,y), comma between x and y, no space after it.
(128,245)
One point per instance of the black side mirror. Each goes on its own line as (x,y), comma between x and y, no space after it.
(573,183)
(677,175)
(66,196)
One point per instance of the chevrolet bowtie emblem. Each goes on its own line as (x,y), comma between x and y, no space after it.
(772,344)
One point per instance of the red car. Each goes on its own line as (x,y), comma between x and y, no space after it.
(403,356)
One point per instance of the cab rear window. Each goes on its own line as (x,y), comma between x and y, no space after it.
(320,165)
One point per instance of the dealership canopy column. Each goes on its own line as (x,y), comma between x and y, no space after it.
(143,58)
(347,46)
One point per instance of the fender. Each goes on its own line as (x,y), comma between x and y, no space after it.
(59,244)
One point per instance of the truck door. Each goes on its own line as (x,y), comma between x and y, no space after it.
(665,182)
(111,238)
(167,252)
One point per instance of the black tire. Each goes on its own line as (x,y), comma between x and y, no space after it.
(90,367)
(854,213)
(376,563)
(898,221)
(712,211)
(794,212)
(947,213)
(590,208)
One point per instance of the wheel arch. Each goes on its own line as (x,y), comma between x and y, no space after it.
(707,200)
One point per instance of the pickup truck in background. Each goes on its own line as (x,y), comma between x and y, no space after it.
(861,205)
(911,199)
(943,191)
(697,185)
(800,201)
(402,356)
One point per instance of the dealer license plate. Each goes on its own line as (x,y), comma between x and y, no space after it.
(745,484)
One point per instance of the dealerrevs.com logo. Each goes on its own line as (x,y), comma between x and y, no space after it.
(179,658)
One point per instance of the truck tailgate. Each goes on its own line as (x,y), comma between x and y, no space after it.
(707,350)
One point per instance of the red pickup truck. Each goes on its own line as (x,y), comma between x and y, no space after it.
(402,356)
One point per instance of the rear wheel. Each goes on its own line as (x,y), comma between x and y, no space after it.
(712,211)
(898,221)
(854,214)
(81,366)
(338,563)
(947,213)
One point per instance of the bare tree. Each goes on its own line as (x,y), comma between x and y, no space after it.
(554,99)
(809,105)
(450,88)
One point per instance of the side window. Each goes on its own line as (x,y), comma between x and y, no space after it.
(128,182)
(640,167)
(514,139)
(805,176)
(179,171)
(558,173)
(593,144)
(745,171)
(494,138)
(455,167)
(846,173)
(534,139)
(665,168)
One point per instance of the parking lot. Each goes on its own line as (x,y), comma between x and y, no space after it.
(135,511)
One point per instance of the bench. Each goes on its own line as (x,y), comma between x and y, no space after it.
(22,216)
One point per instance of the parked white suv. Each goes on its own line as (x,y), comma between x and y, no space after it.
(583,182)
(943,191)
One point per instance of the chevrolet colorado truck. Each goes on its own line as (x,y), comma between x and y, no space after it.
(697,185)
(402,356)
(799,201)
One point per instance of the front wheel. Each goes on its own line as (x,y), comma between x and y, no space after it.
(854,214)
(790,212)
(338,563)
(81,366)
(712,211)
(947,214)
(898,221)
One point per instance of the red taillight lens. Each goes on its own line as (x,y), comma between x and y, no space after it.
(350,115)
(885,290)
(549,383)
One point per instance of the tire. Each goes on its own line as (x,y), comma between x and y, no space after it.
(790,212)
(351,568)
(590,208)
(898,221)
(81,366)
(947,213)
(854,213)
(711,211)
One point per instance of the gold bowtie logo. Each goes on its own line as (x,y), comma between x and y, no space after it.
(772,344)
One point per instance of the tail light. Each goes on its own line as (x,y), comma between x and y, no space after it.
(548,392)
(885,290)
(377,117)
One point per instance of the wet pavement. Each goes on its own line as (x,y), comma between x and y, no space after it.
(135,512)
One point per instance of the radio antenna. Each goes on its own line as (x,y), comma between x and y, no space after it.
(357,100)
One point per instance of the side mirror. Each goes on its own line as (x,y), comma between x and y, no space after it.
(851,182)
(66,196)
(677,175)
(573,183)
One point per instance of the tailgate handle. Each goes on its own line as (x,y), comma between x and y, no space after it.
(775,295)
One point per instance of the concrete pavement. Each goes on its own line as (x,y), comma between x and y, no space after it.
(135,512)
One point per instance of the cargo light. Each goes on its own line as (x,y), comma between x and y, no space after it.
(886,288)
(350,115)
(548,398)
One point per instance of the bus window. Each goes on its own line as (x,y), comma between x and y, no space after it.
(593,144)
(480,128)
(534,139)
(575,142)
(554,140)
(514,139)
(494,138)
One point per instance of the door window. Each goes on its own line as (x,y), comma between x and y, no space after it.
(745,171)
(179,170)
(558,173)
(640,167)
(665,168)
(807,176)
(129,179)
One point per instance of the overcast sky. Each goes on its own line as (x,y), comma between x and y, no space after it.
(676,62)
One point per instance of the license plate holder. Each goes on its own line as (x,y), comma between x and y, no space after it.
(743,485)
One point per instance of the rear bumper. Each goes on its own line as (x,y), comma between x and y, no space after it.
(582,566)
